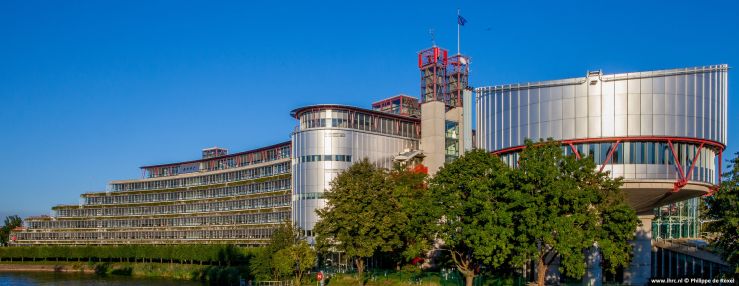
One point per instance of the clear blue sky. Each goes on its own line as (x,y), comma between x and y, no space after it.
(91,90)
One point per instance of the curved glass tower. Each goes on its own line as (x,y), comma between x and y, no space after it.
(329,138)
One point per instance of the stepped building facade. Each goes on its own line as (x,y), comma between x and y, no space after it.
(221,198)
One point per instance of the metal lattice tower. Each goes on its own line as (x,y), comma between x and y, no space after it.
(458,74)
(433,64)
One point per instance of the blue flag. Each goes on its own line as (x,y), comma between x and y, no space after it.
(461,20)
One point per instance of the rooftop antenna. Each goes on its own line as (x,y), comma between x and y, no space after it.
(433,37)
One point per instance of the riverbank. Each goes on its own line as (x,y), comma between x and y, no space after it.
(149,270)
(34,278)
(43,268)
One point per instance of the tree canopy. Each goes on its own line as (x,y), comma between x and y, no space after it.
(287,254)
(470,204)
(723,209)
(482,213)
(362,215)
(564,206)
(11,222)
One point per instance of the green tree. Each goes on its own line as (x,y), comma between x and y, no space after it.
(11,222)
(261,264)
(266,263)
(282,264)
(359,218)
(562,207)
(723,210)
(410,195)
(303,257)
(470,204)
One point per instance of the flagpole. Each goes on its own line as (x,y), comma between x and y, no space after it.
(458,51)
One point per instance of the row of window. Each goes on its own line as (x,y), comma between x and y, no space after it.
(308,196)
(252,188)
(281,168)
(652,153)
(223,163)
(245,204)
(359,121)
(319,158)
(257,233)
(254,218)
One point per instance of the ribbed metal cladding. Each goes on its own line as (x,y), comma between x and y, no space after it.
(321,152)
(686,103)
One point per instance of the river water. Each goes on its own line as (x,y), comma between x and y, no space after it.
(69,279)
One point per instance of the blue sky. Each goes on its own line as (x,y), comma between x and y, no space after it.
(91,90)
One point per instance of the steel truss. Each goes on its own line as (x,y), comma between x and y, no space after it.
(682,180)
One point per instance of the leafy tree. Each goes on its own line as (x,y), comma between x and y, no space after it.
(304,258)
(359,218)
(470,204)
(266,263)
(410,194)
(261,264)
(723,209)
(562,207)
(282,264)
(11,222)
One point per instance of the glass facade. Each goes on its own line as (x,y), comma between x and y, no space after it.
(214,160)
(644,159)
(358,119)
(677,220)
(451,140)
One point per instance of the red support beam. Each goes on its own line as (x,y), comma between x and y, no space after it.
(683,178)
(716,145)
(695,158)
(610,155)
(574,150)
(720,159)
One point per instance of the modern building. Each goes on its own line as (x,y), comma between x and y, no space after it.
(240,198)
(329,138)
(662,131)
(221,198)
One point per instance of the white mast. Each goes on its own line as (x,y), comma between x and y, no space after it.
(458,51)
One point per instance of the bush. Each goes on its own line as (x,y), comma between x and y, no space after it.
(191,254)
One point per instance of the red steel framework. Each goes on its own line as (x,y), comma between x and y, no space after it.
(214,162)
(433,65)
(400,104)
(458,79)
(683,177)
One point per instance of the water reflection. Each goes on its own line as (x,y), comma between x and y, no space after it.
(69,279)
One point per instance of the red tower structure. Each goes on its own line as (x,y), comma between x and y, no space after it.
(433,64)
(458,73)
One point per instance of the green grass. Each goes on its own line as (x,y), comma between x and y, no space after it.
(392,278)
